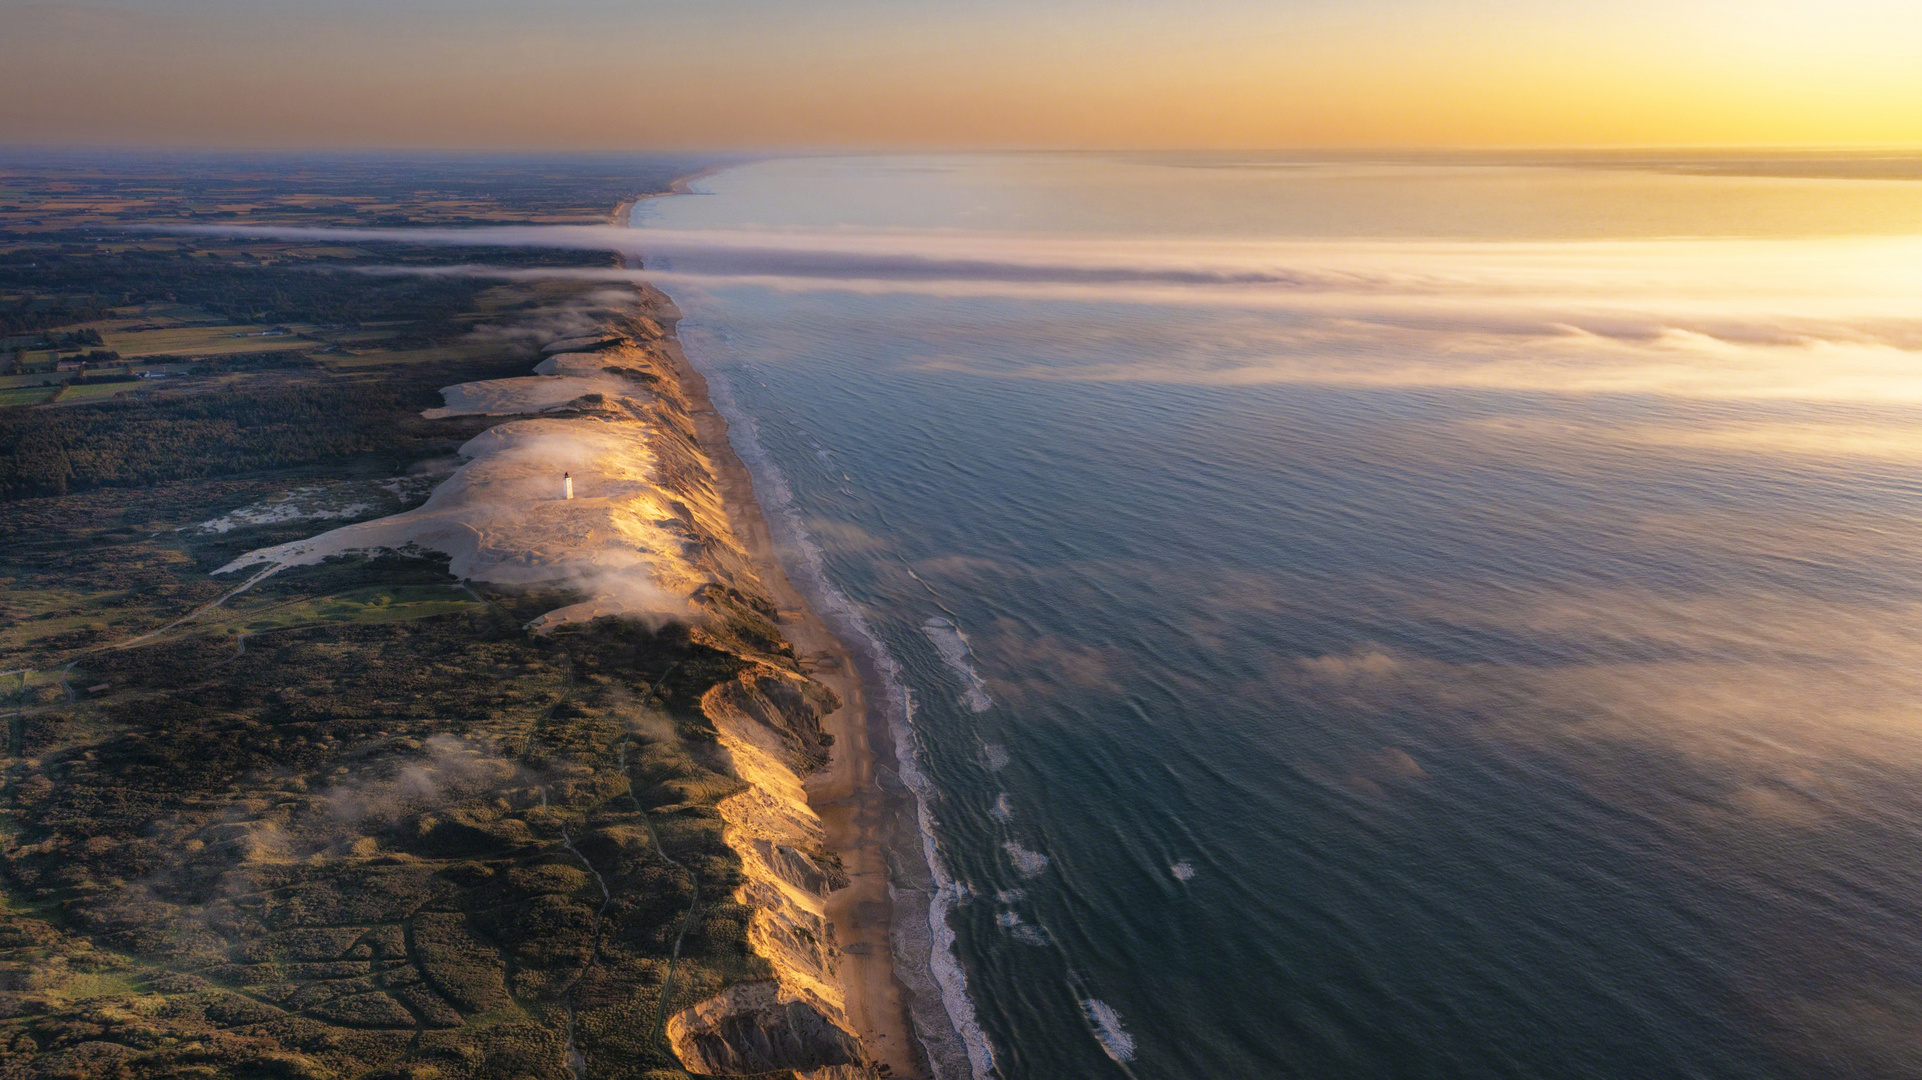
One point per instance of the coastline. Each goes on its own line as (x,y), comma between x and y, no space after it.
(623,213)
(856,809)
(834,1008)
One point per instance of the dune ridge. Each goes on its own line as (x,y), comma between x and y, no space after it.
(650,532)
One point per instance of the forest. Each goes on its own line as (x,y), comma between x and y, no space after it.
(51,451)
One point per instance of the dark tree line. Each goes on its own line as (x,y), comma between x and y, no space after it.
(27,318)
(265,294)
(182,184)
(126,443)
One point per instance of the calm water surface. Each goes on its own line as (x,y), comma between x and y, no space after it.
(1367,619)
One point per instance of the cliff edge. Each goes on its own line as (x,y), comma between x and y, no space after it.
(643,532)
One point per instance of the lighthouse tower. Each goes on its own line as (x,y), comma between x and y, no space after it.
(567,485)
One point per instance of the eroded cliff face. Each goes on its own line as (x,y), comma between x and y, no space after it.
(768,722)
(753,1028)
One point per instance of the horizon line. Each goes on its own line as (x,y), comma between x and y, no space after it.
(422,150)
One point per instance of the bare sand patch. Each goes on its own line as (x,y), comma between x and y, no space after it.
(501,518)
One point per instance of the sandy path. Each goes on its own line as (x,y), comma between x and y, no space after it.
(853,806)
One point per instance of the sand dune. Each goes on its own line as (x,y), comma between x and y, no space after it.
(624,542)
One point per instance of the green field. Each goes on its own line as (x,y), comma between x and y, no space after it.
(198,341)
(375,604)
(78,395)
(27,394)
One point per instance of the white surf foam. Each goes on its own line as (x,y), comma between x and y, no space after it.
(1183,870)
(1028,863)
(804,562)
(1024,932)
(952,644)
(997,756)
(1108,1030)
(1003,809)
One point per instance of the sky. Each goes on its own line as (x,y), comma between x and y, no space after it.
(975,74)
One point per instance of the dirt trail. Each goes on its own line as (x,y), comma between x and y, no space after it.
(575,1060)
(197,612)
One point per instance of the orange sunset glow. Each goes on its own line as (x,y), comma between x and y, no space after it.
(587,74)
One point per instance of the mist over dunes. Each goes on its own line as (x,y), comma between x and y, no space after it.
(1815,306)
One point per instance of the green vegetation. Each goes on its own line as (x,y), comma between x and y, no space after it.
(355,821)
(26,395)
(352,835)
(272,423)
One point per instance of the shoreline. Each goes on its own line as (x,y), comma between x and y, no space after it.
(623,214)
(857,810)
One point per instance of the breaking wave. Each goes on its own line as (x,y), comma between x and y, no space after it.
(952,644)
(1108,1030)
(1029,863)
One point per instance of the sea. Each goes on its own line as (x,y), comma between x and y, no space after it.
(1370,616)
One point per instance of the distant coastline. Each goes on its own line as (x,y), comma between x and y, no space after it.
(623,212)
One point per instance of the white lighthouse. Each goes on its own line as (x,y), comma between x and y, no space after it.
(567,485)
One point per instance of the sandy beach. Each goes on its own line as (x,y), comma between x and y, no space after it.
(853,806)
(855,809)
